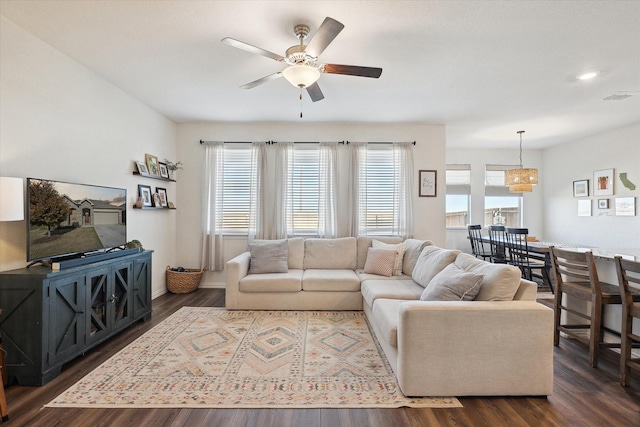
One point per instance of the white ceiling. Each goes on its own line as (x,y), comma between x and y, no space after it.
(485,69)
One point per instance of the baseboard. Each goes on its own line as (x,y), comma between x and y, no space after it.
(215,285)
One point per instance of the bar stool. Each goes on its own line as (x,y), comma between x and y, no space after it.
(477,245)
(497,241)
(629,284)
(4,412)
(575,274)
(519,254)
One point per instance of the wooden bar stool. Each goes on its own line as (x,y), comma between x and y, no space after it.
(4,412)
(575,274)
(629,284)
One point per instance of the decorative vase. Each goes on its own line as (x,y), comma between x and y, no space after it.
(172,174)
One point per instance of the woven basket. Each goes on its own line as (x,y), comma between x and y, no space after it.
(183,282)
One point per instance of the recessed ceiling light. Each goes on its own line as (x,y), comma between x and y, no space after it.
(588,76)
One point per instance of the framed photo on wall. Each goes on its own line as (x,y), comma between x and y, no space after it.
(427,183)
(164,172)
(144,191)
(584,207)
(152,164)
(162,193)
(603,182)
(581,188)
(603,203)
(142,168)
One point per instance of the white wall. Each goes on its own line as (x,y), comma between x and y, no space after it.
(532,202)
(429,153)
(618,149)
(60,121)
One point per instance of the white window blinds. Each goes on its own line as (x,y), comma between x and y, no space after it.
(494,181)
(376,190)
(236,188)
(303,190)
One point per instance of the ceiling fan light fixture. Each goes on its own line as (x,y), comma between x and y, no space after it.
(301,75)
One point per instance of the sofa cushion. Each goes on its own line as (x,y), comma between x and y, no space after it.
(432,261)
(272,282)
(330,253)
(367,276)
(385,316)
(380,261)
(269,256)
(452,284)
(391,289)
(399,254)
(412,250)
(296,253)
(365,242)
(500,282)
(330,280)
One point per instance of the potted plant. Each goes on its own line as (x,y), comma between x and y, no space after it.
(173,167)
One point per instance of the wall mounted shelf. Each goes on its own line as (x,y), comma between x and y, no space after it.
(154,177)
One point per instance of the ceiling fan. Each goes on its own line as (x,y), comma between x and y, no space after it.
(303,69)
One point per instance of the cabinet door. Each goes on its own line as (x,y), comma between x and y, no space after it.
(66,319)
(121,295)
(141,286)
(98,285)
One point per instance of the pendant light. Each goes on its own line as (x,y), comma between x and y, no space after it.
(521,180)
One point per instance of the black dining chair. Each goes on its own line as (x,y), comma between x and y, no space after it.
(497,240)
(477,245)
(519,254)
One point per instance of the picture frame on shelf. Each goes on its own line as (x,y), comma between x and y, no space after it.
(427,183)
(625,206)
(584,207)
(152,164)
(603,203)
(581,188)
(162,192)
(142,168)
(144,191)
(164,172)
(171,205)
(603,182)
(157,203)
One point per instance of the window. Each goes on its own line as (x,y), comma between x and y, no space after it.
(500,206)
(303,190)
(385,189)
(458,179)
(236,190)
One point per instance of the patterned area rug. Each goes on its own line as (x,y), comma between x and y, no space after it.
(213,358)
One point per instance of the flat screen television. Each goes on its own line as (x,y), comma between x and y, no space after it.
(66,220)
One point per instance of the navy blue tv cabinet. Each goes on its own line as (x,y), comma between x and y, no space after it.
(50,317)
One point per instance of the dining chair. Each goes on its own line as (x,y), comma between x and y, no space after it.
(629,284)
(497,241)
(519,254)
(477,245)
(576,276)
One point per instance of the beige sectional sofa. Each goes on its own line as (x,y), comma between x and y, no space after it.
(498,344)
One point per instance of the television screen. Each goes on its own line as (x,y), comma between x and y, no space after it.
(67,219)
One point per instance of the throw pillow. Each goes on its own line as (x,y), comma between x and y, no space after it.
(269,257)
(398,248)
(380,261)
(412,250)
(432,260)
(452,284)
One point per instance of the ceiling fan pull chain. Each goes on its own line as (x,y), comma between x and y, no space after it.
(300,101)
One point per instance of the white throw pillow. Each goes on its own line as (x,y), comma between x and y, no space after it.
(452,284)
(269,257)
(412,250)
(380,261)
(432,260)
(399,250)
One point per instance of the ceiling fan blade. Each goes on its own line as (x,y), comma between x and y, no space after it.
(250,48)
(315,93)
(327,31)
(262,80)
(351,70)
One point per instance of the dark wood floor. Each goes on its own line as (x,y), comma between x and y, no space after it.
(582,396)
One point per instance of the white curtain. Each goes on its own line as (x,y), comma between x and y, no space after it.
(403,189)
(327,211)
(212,237)
(356,227)
(258,205)
(278,194)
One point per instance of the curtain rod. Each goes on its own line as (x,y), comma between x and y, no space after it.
(297,142)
